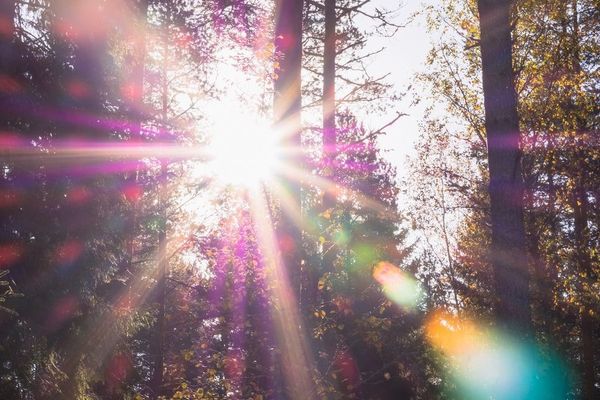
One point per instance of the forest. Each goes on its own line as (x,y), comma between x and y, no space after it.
(201,199)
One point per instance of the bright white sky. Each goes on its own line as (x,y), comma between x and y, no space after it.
(404,55)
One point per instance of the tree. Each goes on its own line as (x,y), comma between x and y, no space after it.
(508,251)
(7,47)
(542,56)
(287,105)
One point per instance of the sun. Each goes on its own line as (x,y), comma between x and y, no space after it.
(244,150)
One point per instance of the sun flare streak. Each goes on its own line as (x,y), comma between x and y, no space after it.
(296,354)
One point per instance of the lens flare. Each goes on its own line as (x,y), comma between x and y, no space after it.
(67,253)
(10,253)
(490,364)
(397,285)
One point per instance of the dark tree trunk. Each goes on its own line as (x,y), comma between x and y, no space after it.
(581,221)
(582,252)
(7,73)
(287,105)
(294,358)
(588,338)
(158,343)
(7,37)
(135,95)
(330,341)
(8,61)
(135,111)
(329,54)
(287,89)
(582,233)
(329,130)
(584,263)
(508,249)
(551,272)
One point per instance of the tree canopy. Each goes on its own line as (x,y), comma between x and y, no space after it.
(196,202)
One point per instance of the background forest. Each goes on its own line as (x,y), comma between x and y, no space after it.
(196,201)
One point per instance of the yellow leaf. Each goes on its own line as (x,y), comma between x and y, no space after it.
(321,284)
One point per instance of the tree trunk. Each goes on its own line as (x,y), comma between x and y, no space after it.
(7,37)
(136,78)
(329,54)
(135,113)
(287,96)
(163,261)
(294,356)
(287,105)
(8,62)
(329,130)
(551,272)
(330,341)
(588,339)
(581,222)
(7,73)
(581,231)
(508,249)
(159,338)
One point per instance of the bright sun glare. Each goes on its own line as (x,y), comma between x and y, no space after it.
(244,150)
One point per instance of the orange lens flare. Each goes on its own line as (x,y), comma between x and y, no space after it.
(487,363)
(453,336)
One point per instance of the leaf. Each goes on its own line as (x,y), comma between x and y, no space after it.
(321,283)
(187,355)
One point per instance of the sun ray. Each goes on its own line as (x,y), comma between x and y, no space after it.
(336,190)
(287,203)
(297,359)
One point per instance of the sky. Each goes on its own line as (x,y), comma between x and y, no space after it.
(404,55)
